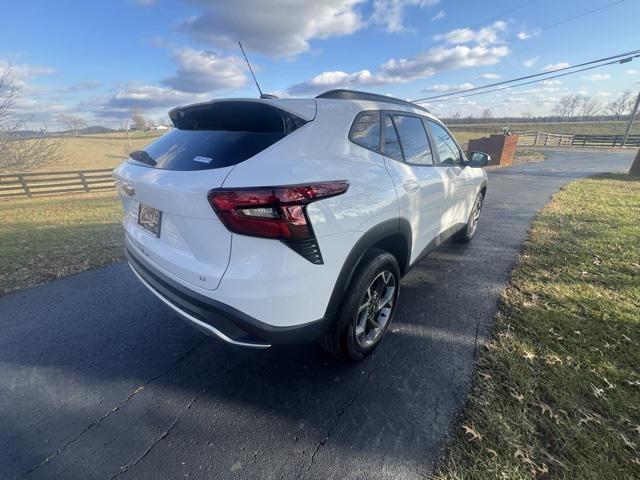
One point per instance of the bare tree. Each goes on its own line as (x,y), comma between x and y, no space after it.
(486,114)
(567,106)
(125,126)
(527,115)
(17,152)
(9,93)
(140,122)
(73,122)
(455,116)
(589,107)
(620,106)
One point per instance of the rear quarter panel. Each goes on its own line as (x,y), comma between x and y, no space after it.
(263,275)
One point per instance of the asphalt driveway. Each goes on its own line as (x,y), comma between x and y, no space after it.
(99,380)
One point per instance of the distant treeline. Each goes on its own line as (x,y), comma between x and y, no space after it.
(546,119)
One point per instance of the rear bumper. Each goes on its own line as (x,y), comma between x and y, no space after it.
(216,318)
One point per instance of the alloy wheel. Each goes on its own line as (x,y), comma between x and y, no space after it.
(375,309)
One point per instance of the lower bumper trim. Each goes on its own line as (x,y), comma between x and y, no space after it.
(216,318)
(196,323)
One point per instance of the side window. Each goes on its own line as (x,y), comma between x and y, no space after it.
(448,151)
(415,142)
(391,143)
(365,130)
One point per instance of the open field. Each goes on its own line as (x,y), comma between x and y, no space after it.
(105,150)
(557,391)
(42,239)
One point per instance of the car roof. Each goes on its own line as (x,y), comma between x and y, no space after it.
(343,94)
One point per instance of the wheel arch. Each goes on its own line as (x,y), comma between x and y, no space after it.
(393,236)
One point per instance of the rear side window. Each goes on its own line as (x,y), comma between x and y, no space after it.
(448,151)
(217,135)
(365,130)
(415,142)
(392,147)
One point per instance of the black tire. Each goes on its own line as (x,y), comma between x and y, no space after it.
(468,232)
(346,340)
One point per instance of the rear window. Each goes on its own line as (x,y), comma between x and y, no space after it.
(217,135)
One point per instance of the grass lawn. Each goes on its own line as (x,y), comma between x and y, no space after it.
(557,392)
(45,238)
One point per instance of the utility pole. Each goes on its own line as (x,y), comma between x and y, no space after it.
(631,118)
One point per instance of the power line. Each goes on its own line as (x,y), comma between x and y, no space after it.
(537,31)
(589,12)
(535,81)
(535,75)
(522,5)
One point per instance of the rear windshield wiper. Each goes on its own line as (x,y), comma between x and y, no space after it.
(142,156)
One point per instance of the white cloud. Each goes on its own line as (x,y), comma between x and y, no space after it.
(280,29)
(402,70)
(490,76)
(207,71)
(530,62)
(440,58)
(147,97)
(438,16)
(390,13)
(556,66)
(22,73)
(339,79)
(633,72)
(604,94)
(597,77)
(527,35)
(486,35)
(442,88)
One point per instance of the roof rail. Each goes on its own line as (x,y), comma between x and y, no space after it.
(343,94)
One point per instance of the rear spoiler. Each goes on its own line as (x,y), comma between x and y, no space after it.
(305,109)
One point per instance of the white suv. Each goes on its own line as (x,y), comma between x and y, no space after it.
(278,221)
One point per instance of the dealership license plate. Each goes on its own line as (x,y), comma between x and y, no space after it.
(150,219)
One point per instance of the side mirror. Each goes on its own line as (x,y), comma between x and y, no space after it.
(478,159)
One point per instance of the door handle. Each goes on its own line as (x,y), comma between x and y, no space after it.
(411,186)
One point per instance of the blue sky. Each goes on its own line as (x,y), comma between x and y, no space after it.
(107,60)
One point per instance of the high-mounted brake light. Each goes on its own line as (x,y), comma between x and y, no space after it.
(275,212)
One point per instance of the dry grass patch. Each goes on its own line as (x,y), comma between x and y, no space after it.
(86,152)
(557,393)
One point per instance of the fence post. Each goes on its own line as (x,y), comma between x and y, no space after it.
(584,141)
(536,140)
(561,139)
(25,187)
(615,140)
(546,139)
(83,181)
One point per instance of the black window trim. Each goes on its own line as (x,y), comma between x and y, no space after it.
(463,156)
(395,129)
(429,139)
(435,155)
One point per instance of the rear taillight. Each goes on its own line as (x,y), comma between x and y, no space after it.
(275,212)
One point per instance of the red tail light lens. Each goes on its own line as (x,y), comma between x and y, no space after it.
(272,212)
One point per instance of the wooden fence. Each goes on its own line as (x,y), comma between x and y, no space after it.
(575,140)
(47,183)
